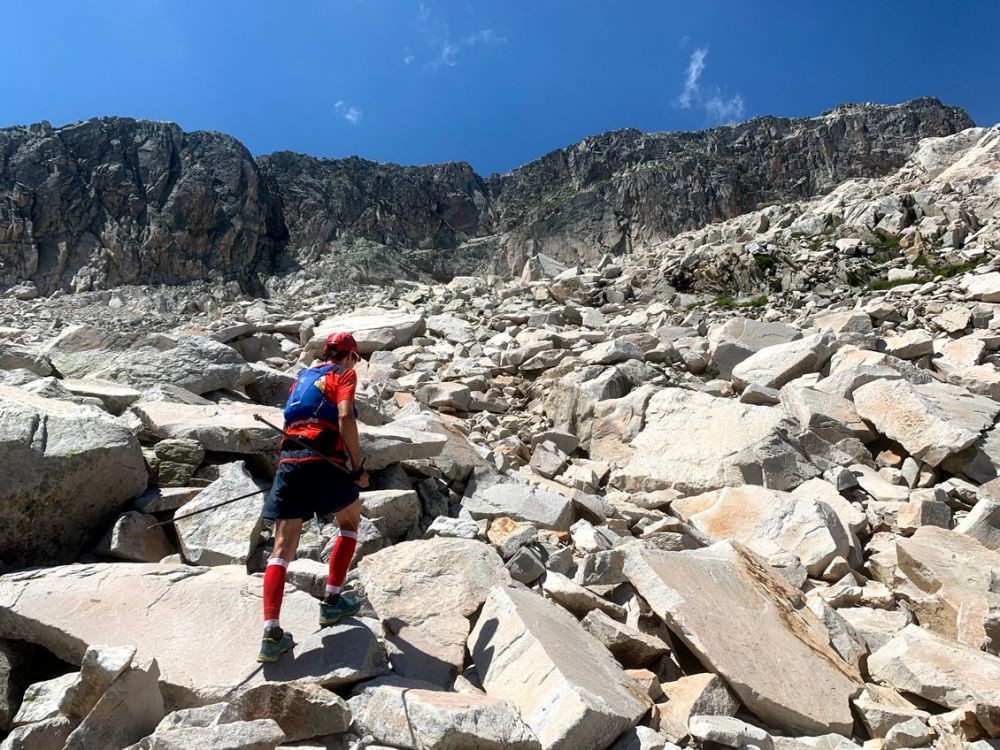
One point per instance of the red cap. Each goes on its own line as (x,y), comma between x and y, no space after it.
(341,342)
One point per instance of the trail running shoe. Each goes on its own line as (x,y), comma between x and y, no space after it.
(345,605)
(275,642)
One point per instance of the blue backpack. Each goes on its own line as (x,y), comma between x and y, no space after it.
(307,401)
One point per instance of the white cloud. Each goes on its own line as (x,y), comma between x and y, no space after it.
(350,113)
(448,51)
(724,110)
(695,66)
(486,36)
(408,59)
(718,108)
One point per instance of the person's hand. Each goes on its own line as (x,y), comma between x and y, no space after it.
(362,481)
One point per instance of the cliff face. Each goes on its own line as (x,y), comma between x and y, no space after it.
(115,201)
(613,192)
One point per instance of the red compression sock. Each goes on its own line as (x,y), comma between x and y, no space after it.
(340,560)
(274,588)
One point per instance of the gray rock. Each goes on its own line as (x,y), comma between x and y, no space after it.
(725,443)
(942,671)
(228,428)
(630,646)
(882,708)
(133,538)
(489,496)
(261,734)
(642,738)
(129,709)
(42,699)
(228,534)
(982,523)
(769,522)
(445,581)
(738,338)
(908,734)
(47,734)
(115,396)
(418,719)
(67,471)
(394,512)
(101,666)
(773,366)
(195,363)
(64,610)
(569,690)
(765,624)
(576,598)
(694,695)
(931,421)
(14,357)
(729,731)
(302,711)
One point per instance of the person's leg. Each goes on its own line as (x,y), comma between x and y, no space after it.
(286,541)
(348,520)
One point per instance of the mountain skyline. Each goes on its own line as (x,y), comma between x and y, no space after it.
(495,86)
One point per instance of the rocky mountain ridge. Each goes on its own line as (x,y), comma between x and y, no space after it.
(605,512)
(113,201)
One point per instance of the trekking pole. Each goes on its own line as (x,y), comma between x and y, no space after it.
(298,442)
(210,507)
(277,429)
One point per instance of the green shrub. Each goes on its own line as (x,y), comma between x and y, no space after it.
(885,243)
(765,262)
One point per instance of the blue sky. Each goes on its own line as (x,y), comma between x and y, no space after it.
(492,83)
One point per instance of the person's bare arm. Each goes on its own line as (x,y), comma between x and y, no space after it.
(349,431)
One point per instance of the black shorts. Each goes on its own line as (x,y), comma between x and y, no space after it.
(306,488)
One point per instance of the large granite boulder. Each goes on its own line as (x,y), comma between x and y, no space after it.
(932,421)
(425,592)
(416,719)
(694,442)
(66,472)
(955,574)
(226,535)
(769,522)
(773,366)
(747,625)
(229,428)
(735,340)
(489,496)
(568,688)
(196,363)
(66,609)
(942,671)
(374,330)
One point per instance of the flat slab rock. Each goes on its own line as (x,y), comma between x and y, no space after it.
(489,496)
(931,421)
(568,688)
(770,649)
(950,674)
(196,363)
(229,428)
(724,443)
(769,522)
(66,609)
(957,571)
